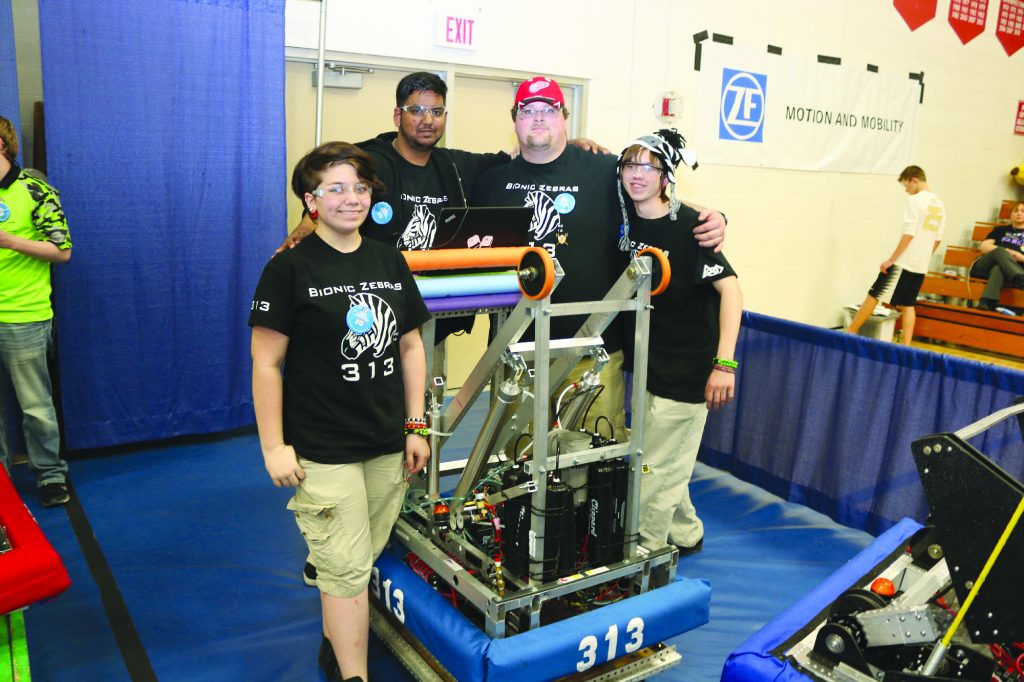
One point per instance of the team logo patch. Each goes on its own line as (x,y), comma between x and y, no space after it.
(382,213)
(381,332)
(711,271)
(741,116)
(546,218)
(538,86)
(419,233)
(5,212)
(359,319)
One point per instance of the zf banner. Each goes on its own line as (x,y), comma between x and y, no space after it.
(784,112)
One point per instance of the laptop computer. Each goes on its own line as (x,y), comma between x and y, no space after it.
(480,227)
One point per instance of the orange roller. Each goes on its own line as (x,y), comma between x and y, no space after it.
(536,263)
(459,259)
(661,267)
(536,269)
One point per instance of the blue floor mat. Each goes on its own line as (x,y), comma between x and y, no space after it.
(208,562)
(761,554)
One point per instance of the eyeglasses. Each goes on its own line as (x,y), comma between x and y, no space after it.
(419,111)
(642,168)
(342,188)
(530,114)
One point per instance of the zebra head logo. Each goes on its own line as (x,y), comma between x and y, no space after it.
(380,335)
(419,233)
(546,218)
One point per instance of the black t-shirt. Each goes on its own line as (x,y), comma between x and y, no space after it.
(406,213)
(1008,238)
(576,217)
(684,323)
(344,398)
(409,219)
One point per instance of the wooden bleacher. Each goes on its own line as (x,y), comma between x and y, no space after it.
(960,324)
(971,327)
(1006,208)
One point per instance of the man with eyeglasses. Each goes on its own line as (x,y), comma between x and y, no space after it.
(420,177)
(576,218)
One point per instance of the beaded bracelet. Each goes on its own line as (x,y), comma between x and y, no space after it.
(726,363)
(417,425)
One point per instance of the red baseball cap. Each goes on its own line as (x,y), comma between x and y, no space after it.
(539,89)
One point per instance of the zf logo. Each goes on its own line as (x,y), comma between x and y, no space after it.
(742,113)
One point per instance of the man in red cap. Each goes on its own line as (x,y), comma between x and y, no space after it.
(576,218)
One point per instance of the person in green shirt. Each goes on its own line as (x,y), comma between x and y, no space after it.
(33,234)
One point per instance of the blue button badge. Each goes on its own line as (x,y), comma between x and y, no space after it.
(382,213)
(359,319)
(565,202)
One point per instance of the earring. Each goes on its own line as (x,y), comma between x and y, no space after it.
(313,214)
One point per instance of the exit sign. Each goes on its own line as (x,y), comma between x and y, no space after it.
(457,29)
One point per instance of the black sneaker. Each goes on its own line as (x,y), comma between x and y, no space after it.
(328,663)
(54,494)
(686,551)
(309,574)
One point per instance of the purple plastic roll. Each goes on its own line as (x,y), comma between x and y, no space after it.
(444,305)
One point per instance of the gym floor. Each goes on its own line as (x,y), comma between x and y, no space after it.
(186,566)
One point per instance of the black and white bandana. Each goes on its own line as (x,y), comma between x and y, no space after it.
(670,148)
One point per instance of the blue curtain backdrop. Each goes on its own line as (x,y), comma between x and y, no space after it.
(165,136)
(826,419)
(9,107)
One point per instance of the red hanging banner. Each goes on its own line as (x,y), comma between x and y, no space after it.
(916,13)
(1010,26)
(967,17)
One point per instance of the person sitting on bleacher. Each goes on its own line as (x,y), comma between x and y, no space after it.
(1002,259)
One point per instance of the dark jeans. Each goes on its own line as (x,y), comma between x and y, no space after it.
(999,268)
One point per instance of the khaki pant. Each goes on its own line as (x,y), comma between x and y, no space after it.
(346,512)
(672,435)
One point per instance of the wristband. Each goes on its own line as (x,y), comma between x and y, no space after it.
(719,362)
(417,425)
(723,368)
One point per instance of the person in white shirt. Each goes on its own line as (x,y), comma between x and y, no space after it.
(901,275)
